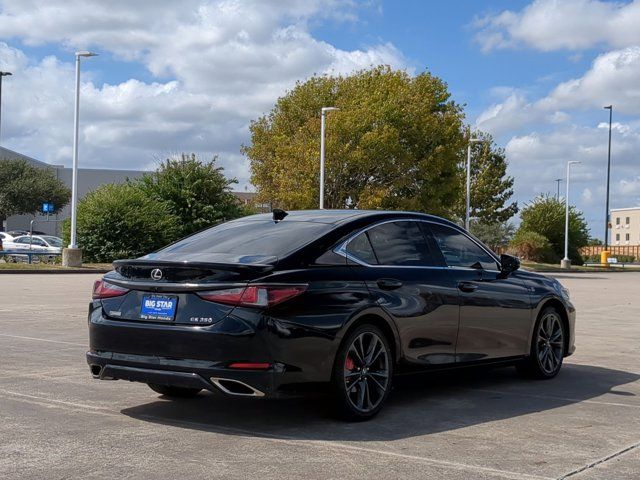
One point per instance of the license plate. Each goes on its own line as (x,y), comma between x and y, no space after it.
(158,307)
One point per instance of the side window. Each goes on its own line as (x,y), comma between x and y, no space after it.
(360,247)
(40,243)
(400,243)
(459,250)
(21,240)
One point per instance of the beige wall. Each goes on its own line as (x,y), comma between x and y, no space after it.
(625,226)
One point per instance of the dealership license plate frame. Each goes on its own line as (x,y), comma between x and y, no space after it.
(158,312)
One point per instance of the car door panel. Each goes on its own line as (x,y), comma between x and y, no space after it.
(495,309)
(495,318)
(424,308)
(413,287)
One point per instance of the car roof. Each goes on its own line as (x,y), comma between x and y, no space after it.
(342,216)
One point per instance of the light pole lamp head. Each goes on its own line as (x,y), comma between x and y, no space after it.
(85,53)
(5,74)
(328,109)
(608,107)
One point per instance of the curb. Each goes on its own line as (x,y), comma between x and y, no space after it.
(53,272)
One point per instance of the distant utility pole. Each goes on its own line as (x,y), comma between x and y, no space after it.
(558,180)
(2,74)
(606,219)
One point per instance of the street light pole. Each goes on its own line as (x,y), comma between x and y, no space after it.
(2,74)
(606,219)
(73,246)
(468,204)
(566,262)
(323,114)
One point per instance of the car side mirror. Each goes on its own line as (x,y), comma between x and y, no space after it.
(509,264)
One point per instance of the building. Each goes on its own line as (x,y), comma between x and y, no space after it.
(88,180)
(625,226)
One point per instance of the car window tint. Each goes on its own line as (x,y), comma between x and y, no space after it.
(265,238)
(21,240)
(459,250)
(360,247)
(400,243)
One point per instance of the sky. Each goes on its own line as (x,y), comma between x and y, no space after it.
(191,75)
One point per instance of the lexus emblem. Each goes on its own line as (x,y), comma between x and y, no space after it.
(156,274)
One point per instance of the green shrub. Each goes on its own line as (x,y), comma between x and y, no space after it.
(195,191)
(546,215)
(532,246)
(121,221)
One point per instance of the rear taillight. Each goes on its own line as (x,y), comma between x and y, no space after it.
(254,295)
(102,289)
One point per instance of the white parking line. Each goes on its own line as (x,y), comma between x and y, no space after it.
(37,400)
(42,340)
(600,461)
(553,397)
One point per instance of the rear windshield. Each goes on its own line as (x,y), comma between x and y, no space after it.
(53,241)
(251,238)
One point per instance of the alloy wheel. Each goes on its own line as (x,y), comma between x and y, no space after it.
(550,343)
(366,372)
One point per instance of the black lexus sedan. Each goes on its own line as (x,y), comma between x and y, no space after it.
(273,304)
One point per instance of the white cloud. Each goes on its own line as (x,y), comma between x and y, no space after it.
(537,159)
(215,66)
(612,78)
(549,25)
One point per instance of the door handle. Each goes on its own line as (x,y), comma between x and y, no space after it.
(467,287)
(389,283)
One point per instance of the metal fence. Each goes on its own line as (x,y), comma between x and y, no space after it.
(20,255)
(631,250)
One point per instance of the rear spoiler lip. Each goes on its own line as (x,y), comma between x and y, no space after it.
(153,286)
(187,263)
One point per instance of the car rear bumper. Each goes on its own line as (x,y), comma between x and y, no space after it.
(198,356)
(186,373)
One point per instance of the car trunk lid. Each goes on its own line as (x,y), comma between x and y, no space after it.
(166,291)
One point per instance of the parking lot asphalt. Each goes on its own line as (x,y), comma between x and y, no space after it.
(57,422)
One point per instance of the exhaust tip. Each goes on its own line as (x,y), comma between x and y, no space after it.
(96,370)
(236,387)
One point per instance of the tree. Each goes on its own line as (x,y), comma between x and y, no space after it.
(196,192)
(491,188)
(24,188)
(494,235)
(122,221)
(532,246)
(397,142)
(546,216)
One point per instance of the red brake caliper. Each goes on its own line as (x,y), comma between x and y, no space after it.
(349,364)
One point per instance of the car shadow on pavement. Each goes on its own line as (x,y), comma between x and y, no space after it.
(419,405)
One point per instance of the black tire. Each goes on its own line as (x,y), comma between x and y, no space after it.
(362,374)
(547,347)
(174,392)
